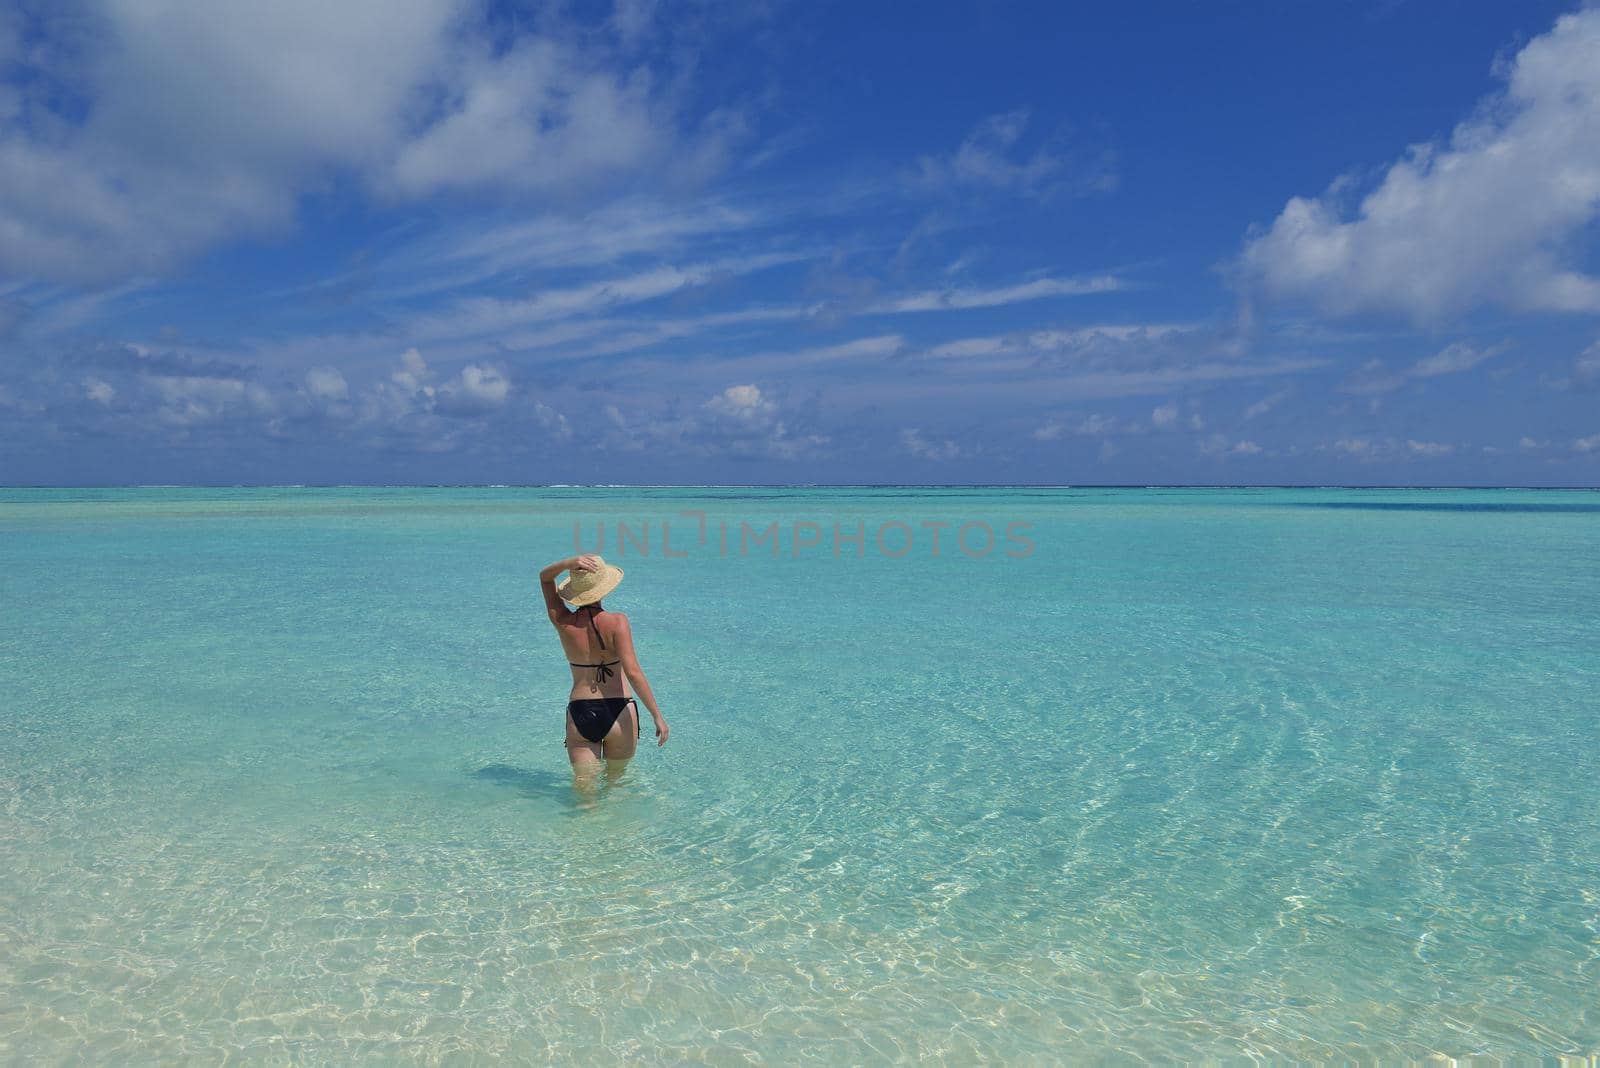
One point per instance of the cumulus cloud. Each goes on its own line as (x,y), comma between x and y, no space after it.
(1164,415)
(551,421)
(1219,445)
(327,383)
(157,130)
(1360,448)
(1084,425)
(1588,444)
(414,389)
(476,390)
(743,421)
(1497,214)
(1385,448)
(191,400)
(914,442)
(744,404)
(99,390)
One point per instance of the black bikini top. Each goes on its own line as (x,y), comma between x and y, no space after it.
(602,670)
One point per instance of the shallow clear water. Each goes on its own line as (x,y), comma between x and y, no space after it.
(1210,773)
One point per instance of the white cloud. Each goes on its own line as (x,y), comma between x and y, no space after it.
(861,352)
(414,395)
(553,421)
(327,383)
(743,421)
(190,400)
(627,228)
(1038,343)
(1453,359)
(1360,448)
(989,159)
(982,157)
(1218,445)
(157,130)
(1092,384)
(743,403)
(413,371)
(99,390)
(475,390)
(913,441)
(958,299)
(538,116)
(1086,425)
(1586,368)
(1266,404)
(476,316)
(1374,378)
(1164,415)
(1588,444)
(1496,215)
(1387,448)
(203,120)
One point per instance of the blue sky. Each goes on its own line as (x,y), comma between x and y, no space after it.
(492,243)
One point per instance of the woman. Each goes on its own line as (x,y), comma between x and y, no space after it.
(602,719)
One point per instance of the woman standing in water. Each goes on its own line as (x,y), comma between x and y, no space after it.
(602,716)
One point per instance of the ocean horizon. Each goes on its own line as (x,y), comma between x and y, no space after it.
(802,485)
(997,774)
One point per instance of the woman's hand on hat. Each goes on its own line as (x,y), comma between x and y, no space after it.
(587,563)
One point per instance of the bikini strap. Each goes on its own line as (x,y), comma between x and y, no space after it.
(602,670)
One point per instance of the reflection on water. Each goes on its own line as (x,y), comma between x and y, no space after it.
(283,781)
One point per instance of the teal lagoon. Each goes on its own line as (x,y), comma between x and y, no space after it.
(1157,775)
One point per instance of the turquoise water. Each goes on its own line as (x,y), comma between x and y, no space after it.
(1220,773)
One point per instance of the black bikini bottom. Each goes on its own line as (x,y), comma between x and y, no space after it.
(594,716)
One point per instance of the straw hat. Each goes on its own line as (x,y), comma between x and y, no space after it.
(587,587)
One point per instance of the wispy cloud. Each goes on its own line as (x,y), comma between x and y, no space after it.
(1369,449)
(1455,358)
(1040,289)
(992,157)
(476,316)
(609,234)
(1375,378)
(1266,404)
